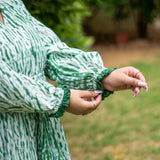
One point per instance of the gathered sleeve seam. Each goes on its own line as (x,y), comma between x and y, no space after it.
(103,74)
(64,102)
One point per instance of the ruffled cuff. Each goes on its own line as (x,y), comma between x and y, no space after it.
(103,74)
(65,102)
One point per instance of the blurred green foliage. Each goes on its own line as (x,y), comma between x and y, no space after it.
(116,9)
(143,11)
(65,17)
(121,8)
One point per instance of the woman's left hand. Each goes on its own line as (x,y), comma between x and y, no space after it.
(125,78)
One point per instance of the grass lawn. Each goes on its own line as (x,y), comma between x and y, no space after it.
(122,128)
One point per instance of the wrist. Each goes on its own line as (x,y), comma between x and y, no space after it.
(106,84)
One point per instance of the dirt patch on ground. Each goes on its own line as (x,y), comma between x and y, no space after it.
(122,55)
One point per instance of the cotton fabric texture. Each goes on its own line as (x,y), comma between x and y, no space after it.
(30,107)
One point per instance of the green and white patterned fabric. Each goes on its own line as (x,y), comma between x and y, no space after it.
(30,107)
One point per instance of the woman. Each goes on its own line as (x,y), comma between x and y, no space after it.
(30,107)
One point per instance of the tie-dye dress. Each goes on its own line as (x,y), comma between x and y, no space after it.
(30,107)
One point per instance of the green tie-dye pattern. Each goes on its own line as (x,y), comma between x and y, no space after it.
(30,107)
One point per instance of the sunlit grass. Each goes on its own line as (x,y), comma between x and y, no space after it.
(122,128)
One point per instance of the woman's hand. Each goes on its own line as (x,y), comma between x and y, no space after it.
(125,78)
(83,102)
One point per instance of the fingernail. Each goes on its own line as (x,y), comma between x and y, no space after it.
(97,92)
(146,88)
(142,84)
(135,94)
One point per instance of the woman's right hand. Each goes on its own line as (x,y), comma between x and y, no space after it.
(83,102)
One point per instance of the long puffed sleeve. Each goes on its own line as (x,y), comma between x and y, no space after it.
(70,66)
(75,68)
(19,93)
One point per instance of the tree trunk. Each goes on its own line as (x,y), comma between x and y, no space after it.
(142,26)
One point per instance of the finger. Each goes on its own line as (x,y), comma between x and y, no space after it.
(140,76)
(134,82)
(98,100)
(135,73)
(143,84)
(90,94)
(136,91)
(93,104)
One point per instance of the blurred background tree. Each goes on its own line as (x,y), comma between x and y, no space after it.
(65,17)
(144,12)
